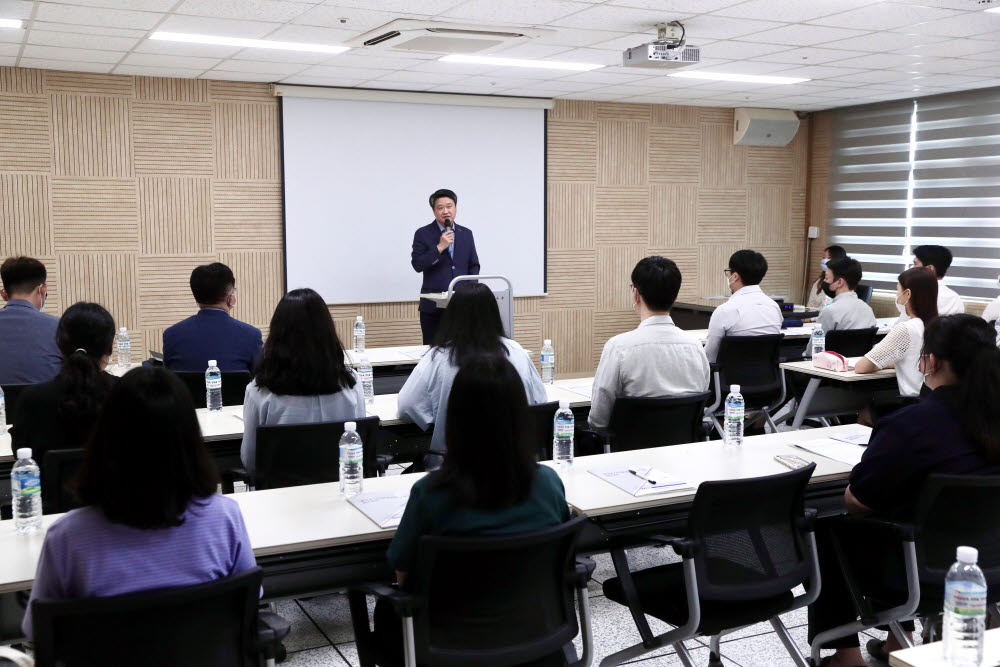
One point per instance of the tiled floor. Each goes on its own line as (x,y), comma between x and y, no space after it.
(322,633)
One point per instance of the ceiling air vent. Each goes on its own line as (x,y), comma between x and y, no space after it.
(435,37)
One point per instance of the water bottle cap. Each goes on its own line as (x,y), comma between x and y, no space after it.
(212,362)
(547,341)
(563,404)
(359,318)
(123,329)
(734,388)
(351,427)
(24,453)
(964,554)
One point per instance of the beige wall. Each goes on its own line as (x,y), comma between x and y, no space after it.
(122,184)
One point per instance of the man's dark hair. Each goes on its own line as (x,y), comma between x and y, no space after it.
(210,283)
(923,288)
(934,255)
(471,325)
(846,268)
(22,274)
(750,264)
(303,355)
(152,485)
(443,192)
(658,281)
(836,252)
(488,468)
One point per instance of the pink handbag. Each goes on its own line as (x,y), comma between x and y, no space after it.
(830,361)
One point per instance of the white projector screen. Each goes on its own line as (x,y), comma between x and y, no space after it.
(357,179)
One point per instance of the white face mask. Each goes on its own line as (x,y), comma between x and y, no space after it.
(823,263)
(901,307)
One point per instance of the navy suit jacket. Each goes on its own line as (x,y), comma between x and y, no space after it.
(211,333)
(439,268)
(28,350)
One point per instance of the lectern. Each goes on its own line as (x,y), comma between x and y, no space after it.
(504,297)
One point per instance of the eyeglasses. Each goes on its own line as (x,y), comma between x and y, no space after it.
(727,272)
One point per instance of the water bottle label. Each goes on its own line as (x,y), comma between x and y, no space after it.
(29,485)
(124,345)
(548,358)
(564,430)
(351,455)
(734,414)
(965,598)
(213,383)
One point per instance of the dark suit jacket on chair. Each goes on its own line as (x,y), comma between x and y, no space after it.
(211,334)
(439,268)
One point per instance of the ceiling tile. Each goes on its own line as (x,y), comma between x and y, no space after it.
(885,16)
(87,29)
(607,17)
(81,41)
(454,71)
(819,71)
(184,49)
(313,34)
(592,56)
(677,6)
(950,80)
(530,13)
(340,72)
(953,48)
(251,10)
(408,76)
(15,36)
(9,49)
(174,72)
(964,25)
(951,66)
(876,42)
(577,37)
(348,18)
(258,77)
(876,76)
(215,26)
(114,18)
(375,62)
(879,61)
(810,56)
(136,5)
(81,55)
(67,65)
(746,67)
(429,7)
(803,35)
(278,69)
(590,95)
(8,61)
(628,41)
(736,50)
(560,85)
(15,9)
(175,62)
(529,50)
(340,82)
(378,84)
(721,27)
(279,56)
(791,11)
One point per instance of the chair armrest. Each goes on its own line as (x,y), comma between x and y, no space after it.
(583,570)
(906,532)
(402,602)
(683,546)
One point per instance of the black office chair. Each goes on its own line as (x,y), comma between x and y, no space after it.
(748,544)
(752,363)
(851,342)
(489,601)
(209,624)
(298,454)
(11,398)
(864,293)
(59,466)
(928,545)
(542,418)
(640,422)
(234,386)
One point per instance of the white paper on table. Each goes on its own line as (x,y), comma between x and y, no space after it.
(833,449)
(582,388)
(858,436)
(656,481)
(384,508)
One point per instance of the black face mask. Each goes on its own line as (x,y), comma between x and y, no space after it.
(827,290)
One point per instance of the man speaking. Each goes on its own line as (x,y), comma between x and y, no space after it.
(441,251)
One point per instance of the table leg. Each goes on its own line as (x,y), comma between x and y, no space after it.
(807,397)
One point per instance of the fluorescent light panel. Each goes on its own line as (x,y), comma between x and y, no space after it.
(995,10)
(517,62)
(10,23)
(743,78)
(218,40)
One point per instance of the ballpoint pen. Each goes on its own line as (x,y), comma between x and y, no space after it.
(643,477)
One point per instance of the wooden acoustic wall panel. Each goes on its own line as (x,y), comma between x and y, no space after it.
(21,81)
(571,280)
(779,270)
(172,139)
(822,145)
(246,141)
(25,137)
(570,221)
(572,151)
(673,215)
(573,110)
(89,84)
(770,164)
(609,324)
(722,215)
(105,278)
(572,334)
(25,227)
(152,338)
(260,279)
(673,115)
(722,163)
(769,215)
(94,214)
(171,90)
(614,266)
(675,154)
(621,215)
(400,310)
(247,215)
(713,259)
(246,91)
(622,152)
(53,299)
(800,155)
(165,288)
(394,332)
(175,215)
(91,136)
(528,332)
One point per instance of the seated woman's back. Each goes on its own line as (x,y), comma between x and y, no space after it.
(302,377)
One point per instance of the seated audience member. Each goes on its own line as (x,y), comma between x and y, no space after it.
(301,377)
(212,333)
(817,296)
(29,353)
(955,430)
(656,358)
(749,312)
(470,327)
(916,298)
(846,311)
(151,517)
(992,311)
(488,484)
(59,414)
(937,260)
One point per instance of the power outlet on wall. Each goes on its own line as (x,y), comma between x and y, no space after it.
(813,232)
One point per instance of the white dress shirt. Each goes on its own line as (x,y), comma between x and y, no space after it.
(655,359)
(901,348)
(748,312)
(847,311)
(424,397)
(948,303)
(992,311)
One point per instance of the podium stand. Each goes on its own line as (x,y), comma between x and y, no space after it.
(504,297)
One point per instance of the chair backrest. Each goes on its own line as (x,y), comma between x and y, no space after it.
(749,534)
(496,600)
(864,293)
(298,454)
(654,422)
(11,397)
(234,386)
(208,624)
(953,511)
(58,467)
(851,342)
(752,363)
(542,417)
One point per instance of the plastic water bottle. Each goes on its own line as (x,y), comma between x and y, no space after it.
(26,492)
(359,335)
(734,417)
(964,610)
(996,326)
(818,340)
(562,436)
(351,460)
(548,362)
(213,387)
(124,348)
(364,369)
(3,412)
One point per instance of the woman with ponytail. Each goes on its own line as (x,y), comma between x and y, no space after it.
(59,414)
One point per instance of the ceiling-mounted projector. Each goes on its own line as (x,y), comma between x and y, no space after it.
(668,51)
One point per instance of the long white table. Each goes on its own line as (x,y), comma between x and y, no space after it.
(817,375)
(805,331)
(932,655)
(313,527)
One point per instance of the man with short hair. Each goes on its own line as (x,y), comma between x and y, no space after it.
(846,311)
(656,358)
(212,333)
(938,259)
(748,312)
(441,251)
(28,350)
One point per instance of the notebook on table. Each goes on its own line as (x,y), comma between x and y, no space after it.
(640,480)
(385,508)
